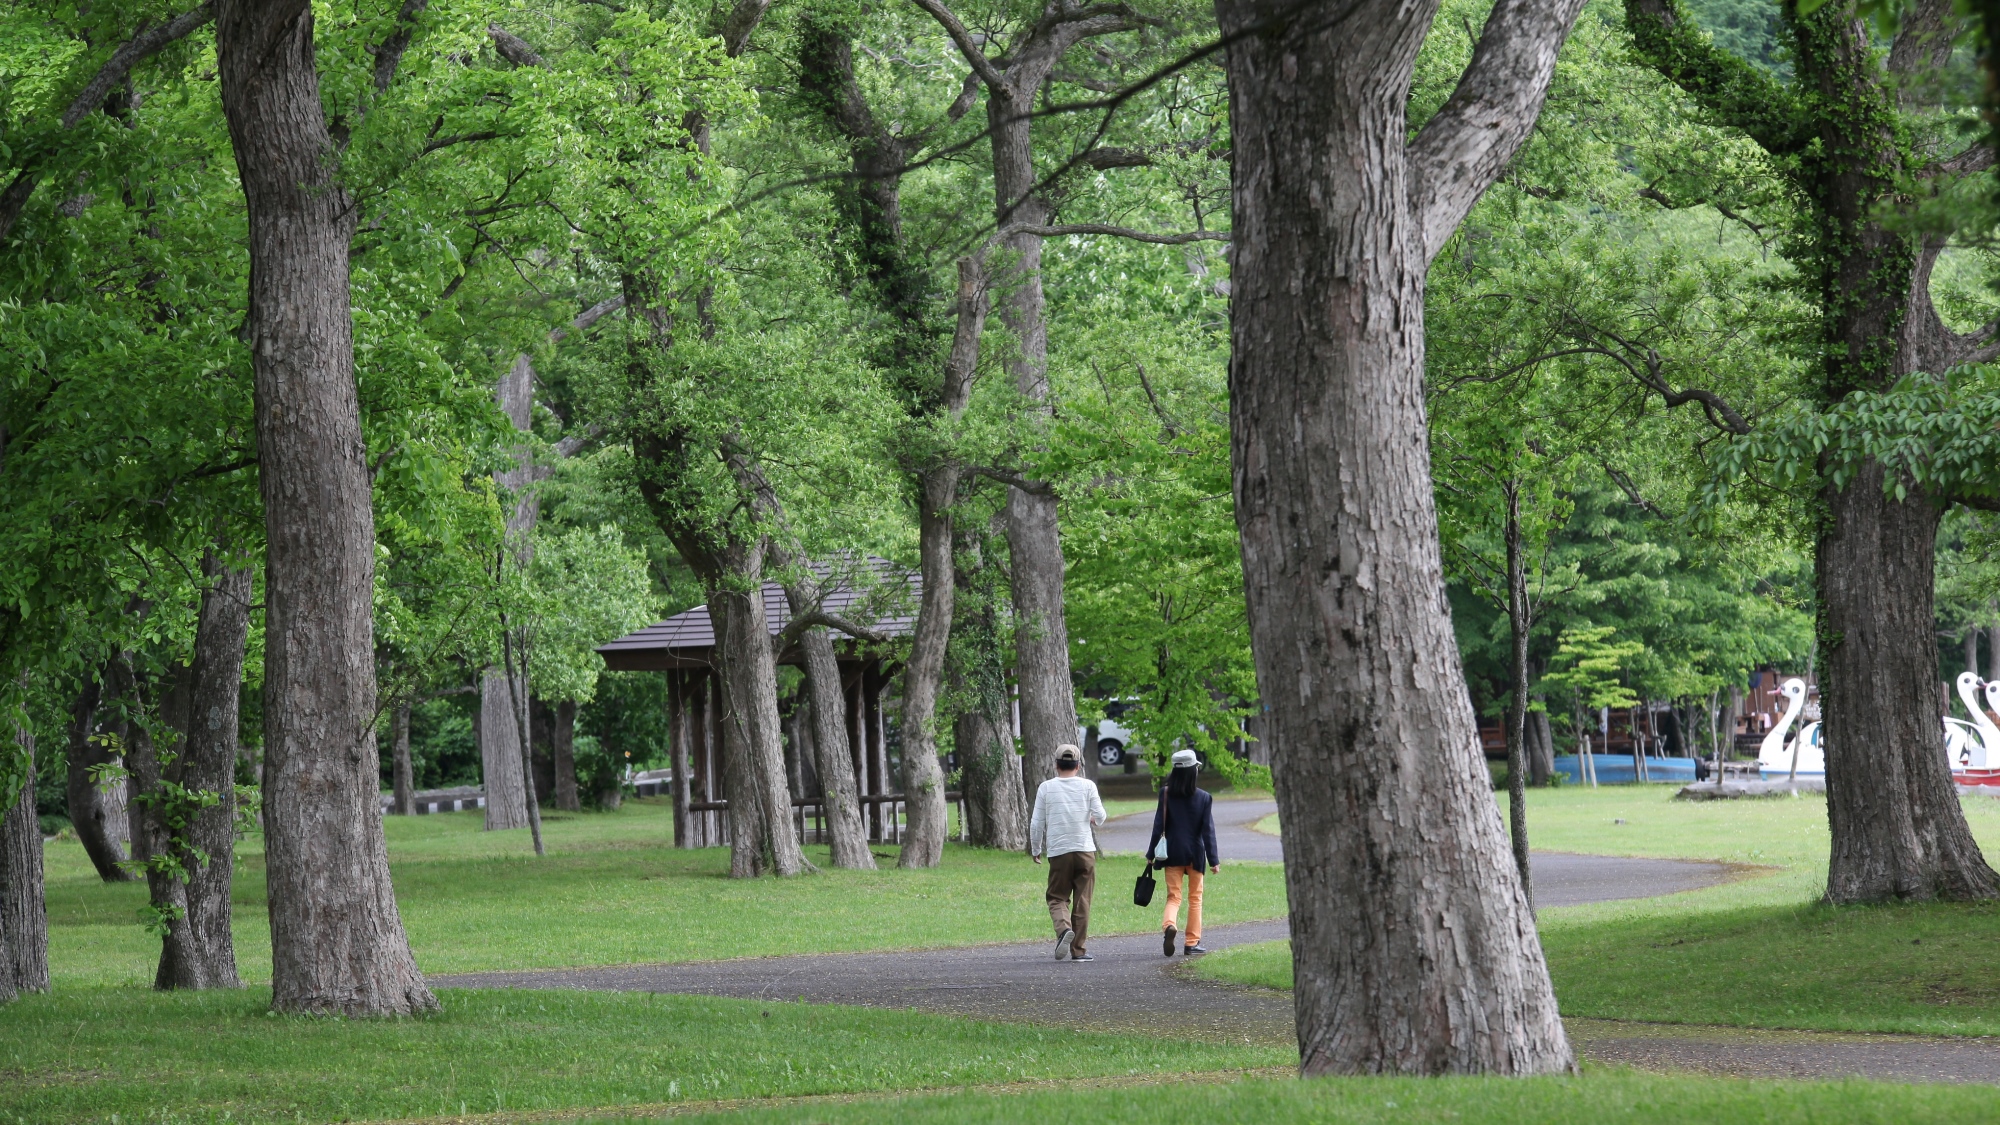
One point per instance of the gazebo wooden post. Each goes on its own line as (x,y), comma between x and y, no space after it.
(677,740)
(698,780)
(864,786)
(878,749)
(716,785)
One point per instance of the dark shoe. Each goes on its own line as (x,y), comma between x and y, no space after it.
(1195,950)
(1062,944)
(1167,937)
(1081,957)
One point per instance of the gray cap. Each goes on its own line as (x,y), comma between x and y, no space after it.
(1067,755)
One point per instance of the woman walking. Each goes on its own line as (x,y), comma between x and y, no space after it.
(1186,820)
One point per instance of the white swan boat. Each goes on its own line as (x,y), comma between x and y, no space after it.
(1803,755)
(1972,748)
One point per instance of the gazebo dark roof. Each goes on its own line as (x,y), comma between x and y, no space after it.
(687,639)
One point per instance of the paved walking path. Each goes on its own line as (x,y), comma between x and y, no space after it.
(1130,986)
(1560,879)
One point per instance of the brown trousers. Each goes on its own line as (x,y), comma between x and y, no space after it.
(1072,876)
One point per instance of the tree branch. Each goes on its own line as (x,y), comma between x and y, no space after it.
(1735,92)
(389,55)
(1464,148)
(143,45)
(135,50)
(744,16)
(975,55)
(512,47)
(1013,479)
(797,626)
(1118,232)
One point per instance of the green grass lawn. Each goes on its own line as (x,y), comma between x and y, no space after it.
(1590,1100)
(1754,952)
(205,1057)
(612,891)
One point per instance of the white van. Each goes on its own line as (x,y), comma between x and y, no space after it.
(1113,740)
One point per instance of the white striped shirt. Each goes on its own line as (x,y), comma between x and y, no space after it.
(1066,808)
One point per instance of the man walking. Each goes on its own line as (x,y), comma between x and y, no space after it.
(1067,808)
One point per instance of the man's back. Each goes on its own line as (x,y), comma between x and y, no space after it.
(1066,808)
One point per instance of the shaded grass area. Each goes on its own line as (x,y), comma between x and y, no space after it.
(1755,952)
(1589,1100)
(612,891)
(212,1057)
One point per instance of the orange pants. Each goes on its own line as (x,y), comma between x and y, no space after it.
(1174,875)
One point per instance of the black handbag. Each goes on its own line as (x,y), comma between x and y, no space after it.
(1142,890)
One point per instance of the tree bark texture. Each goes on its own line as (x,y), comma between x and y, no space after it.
(505,781)
(1541,746)
(1414,949)
(760,801)
(517,704)
(1041,632)
(833,755)
(500,754)
(337,941)
(923,676)
(404,780)
(97,814)
(996,806)
(1899,831)
(198,950)
(24,919)
(562,748)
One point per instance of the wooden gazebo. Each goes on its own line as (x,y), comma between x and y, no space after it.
(683,647)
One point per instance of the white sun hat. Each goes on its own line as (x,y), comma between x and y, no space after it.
(1184,758)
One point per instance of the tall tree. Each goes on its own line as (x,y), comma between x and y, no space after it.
(1413,947)
(1841,138)
(337,941)
(1013,81)
(194,819)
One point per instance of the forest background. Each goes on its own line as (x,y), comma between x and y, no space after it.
(531,167)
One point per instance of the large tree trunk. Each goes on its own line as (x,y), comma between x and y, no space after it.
(1413,947)
(1898,829)
(500,772)
(1541,746)
(1041,636)
(833,756)
(97,813)
(1041,633)
(996,806)
(337,942)
(923,677)
(198,949)
(758,790)
(500,752)
(562,748)
(24,919)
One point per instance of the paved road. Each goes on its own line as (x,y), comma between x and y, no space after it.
(1560,879)
(1129,985)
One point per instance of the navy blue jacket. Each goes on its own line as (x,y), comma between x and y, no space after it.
(1190,828)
